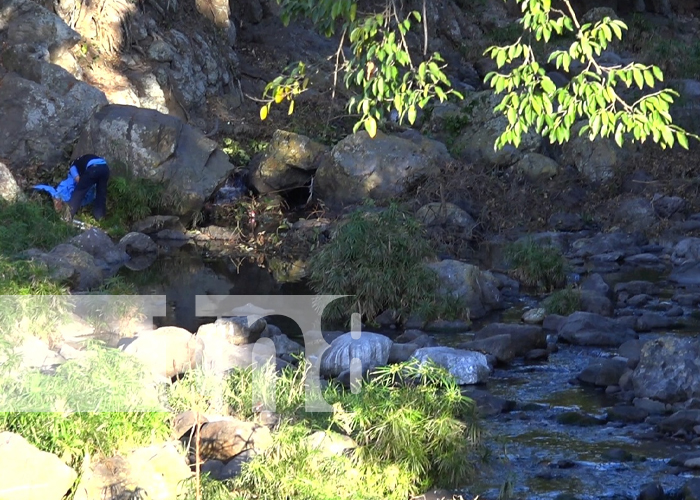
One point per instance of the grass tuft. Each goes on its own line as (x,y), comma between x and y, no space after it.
(535,265)
(378,259)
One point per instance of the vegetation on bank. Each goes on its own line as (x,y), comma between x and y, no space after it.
(537,265)
(412,426)
(377,257)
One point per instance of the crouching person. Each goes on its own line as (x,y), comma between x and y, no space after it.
(88,171)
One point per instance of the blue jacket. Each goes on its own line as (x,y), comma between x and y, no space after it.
(65,189)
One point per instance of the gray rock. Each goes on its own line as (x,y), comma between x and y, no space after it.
(683,420)
(467,367)
(449,214)
(28,23)
(70,264)
(603,372)
(524,338)
(475,143)
(401,352)
(534,316)
(9,190)
(596,303)
(500,346)
(632,351)
(602,243)
(643,260)
(289,162)
(650,406)
(47,114)
(635,214)
(669,370)
(371,349)
(156,223)
(137,244)
(98,244)
(479,289)
(686,275)
(537,166)
(160,148)
(691,489)
(360,167)
(167,351)
(630,414)
(637,287)
(235,330)
(666,206)
(583,328)
(686,251)
(649,321)
(233,468)
(596,160)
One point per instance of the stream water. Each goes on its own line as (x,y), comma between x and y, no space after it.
(528,449)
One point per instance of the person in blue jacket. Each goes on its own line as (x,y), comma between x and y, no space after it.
(86,183)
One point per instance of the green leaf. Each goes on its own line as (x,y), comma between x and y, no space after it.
(648,78)
(682,139)
(638,78)
(548,85)
(657,73)
(500,59)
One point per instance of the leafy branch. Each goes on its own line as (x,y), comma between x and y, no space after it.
(380,69)
(534,101)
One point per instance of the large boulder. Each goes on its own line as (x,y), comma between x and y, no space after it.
(479,289)
(477,139)
(43,113)
(359,166)
(596,159)
(160,470)
(167,351)
(25,22)
(160,148)
(68,263)
(371,349)
(668,370)
(98,244)
(523,338)
(589,329)
(27,473)
(288,162)
(467,367)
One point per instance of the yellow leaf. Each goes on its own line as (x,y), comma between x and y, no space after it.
(279,95)
(291,107)
(371,126)
(263,112)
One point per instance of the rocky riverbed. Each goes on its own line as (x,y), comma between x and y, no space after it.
(561,422)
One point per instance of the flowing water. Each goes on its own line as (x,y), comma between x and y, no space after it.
(528,449)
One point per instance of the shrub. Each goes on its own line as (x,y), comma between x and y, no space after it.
(378,259)
(563,302)
(539,266)
(413,427)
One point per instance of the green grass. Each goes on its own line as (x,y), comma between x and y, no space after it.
(535,265)
(563,302)
(128,200)
(29,224)
(98,405)
(413,428)
(378,259)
